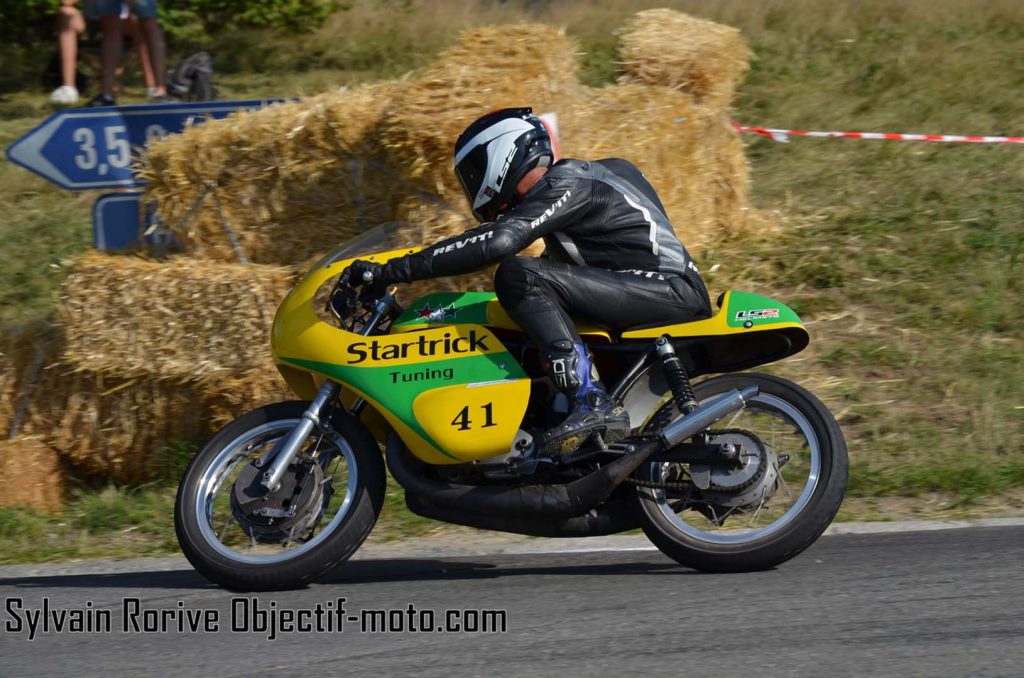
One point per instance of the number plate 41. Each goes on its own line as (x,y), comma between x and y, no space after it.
(474,421)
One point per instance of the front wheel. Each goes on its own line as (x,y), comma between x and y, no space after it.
(243,538)
(775,502)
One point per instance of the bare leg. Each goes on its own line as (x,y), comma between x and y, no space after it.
(110,52)
(155,41)
(70,25)
(132,30)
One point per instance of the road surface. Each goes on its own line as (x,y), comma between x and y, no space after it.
(930,603)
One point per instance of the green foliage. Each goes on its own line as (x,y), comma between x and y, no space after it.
(28,21)
(190,19)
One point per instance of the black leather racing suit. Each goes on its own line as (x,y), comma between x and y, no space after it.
(612,256)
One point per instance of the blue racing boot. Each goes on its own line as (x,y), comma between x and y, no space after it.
(571,367)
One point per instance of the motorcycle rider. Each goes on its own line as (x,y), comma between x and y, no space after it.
(611,257)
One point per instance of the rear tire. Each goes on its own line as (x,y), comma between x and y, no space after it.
(781,541)
(337,546)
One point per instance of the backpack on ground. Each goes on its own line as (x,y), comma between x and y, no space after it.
(192,78)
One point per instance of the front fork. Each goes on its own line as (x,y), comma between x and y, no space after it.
(311,417)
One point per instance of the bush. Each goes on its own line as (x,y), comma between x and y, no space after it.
(27,21)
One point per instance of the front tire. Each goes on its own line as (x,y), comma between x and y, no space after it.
(225,557)
(685,531)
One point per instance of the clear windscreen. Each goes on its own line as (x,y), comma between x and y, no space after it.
(390,236)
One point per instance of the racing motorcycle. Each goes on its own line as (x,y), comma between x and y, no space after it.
(736,472)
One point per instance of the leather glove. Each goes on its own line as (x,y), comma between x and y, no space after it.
(366,274)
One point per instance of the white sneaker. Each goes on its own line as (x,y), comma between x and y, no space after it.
(64,95)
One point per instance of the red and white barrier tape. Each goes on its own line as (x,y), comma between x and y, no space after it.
(783,135)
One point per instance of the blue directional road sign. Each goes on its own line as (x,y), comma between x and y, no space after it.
(92,147)
(117,221)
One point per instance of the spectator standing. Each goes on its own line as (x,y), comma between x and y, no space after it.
(112,45)
(70,25)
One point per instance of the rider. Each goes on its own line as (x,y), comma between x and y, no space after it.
(611,256)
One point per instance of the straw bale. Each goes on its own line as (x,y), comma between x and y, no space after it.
(668,48)
(23,353)
(114,428)
(31,475)
(286,178)
(126,430)
(488,68)
(181,320)
(228,398)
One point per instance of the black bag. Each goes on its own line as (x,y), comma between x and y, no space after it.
(192,78)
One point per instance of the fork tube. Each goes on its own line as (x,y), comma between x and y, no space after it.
(311,417)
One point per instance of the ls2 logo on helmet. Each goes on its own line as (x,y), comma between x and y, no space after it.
(504,168)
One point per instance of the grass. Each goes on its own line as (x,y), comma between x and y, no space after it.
(903,258)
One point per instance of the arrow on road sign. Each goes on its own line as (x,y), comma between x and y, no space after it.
(92,147)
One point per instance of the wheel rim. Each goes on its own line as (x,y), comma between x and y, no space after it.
(212,505)
(774,408)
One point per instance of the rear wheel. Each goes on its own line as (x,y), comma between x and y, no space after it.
(243,538)
(775,503)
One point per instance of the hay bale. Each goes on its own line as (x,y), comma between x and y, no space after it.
(23,353)
(488,68)
(286,178)
(114,428)
(181,320)
(128,430)
(31,475)
(689,152)
(666,48)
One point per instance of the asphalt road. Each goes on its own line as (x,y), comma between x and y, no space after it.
(935,603)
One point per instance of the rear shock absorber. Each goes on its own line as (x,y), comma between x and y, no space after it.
(675,374)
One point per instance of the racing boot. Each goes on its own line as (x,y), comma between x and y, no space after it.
(571,367)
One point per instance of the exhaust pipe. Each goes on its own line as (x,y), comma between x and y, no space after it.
(566,500)
(706,415)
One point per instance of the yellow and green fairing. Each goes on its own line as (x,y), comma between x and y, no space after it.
(452,392)
(445,383)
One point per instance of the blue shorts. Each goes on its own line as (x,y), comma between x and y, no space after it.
(94,9)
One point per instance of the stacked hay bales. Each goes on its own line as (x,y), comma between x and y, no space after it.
(288,179)
(489,68)
(706,61)
(154,352)
(181,320)
(284,175)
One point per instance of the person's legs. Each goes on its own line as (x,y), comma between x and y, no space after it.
(70,25)
(146,11)
(131,29)
(111,47)
(541,296)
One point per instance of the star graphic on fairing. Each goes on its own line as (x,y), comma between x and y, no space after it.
(425,312)
(443,313)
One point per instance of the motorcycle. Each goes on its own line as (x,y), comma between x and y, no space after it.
(736,472)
